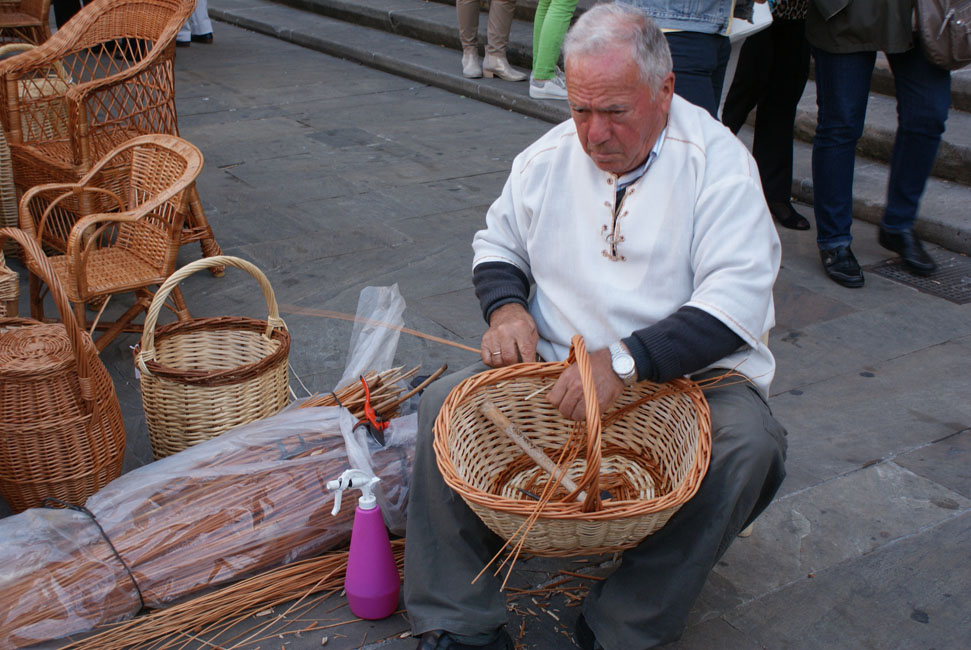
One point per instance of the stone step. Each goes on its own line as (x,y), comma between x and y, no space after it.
(944,217)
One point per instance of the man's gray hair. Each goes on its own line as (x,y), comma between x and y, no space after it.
(606,26)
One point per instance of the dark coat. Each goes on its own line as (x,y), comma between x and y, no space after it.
(845,26)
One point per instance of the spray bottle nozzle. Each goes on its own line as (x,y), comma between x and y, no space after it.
(354,478)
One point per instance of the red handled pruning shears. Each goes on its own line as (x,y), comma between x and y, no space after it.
(374,424)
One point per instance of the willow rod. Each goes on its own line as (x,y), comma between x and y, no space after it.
(326,313)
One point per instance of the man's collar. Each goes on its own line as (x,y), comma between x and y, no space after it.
(626,179)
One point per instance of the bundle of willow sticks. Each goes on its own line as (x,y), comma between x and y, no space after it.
(211,614)
(384,389)
(248,500)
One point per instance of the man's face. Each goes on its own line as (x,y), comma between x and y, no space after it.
(618,117)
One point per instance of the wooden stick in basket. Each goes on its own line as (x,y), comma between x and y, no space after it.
(505,425)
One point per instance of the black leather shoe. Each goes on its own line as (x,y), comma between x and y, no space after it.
(909,248)
(786,215)
(442,640)
(584,637)
(841,266)
(183,43)
(202,38)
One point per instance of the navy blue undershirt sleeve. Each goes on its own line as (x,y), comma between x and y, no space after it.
(686,341)
(498,284)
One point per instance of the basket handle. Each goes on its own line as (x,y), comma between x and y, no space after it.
(42,268)
(590,481)
(273,321)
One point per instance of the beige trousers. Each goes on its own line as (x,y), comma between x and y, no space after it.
(497,32)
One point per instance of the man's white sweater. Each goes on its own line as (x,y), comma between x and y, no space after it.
(692,231)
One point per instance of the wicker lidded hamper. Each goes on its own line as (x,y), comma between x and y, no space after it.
(650,452)
(204,376)
(61,430)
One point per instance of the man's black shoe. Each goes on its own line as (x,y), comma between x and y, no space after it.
(841,266)
(786,215)
(909,248)
(202,38)
(442,640)
(584,637)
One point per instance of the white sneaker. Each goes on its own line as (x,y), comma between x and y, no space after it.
(554,88)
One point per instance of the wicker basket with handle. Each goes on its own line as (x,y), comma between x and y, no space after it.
(649,452)
(61,430)
(204,376)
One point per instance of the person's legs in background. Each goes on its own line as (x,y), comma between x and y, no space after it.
(751,81)
(772,146)
(700,61)
(549,26)
(842,90)
(500,22)
(64,10)
(923,99)
(467,12)
(197,28)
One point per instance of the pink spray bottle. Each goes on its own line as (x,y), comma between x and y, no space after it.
(372,581)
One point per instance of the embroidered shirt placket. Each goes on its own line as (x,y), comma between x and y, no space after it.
(611,234)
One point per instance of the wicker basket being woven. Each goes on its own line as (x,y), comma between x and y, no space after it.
(650,453)
(204,376)
(61,430)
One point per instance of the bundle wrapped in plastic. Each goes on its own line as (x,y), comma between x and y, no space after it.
(251,499)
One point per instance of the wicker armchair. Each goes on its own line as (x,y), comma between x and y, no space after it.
(117,57)
(132,245)
(25,20)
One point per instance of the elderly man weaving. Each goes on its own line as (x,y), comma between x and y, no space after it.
(641,225)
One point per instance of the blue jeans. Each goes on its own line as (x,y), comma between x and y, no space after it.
(842,89)
(700,61)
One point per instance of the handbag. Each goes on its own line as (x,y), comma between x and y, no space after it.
(944,30)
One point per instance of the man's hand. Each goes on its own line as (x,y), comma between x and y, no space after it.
(567,393)
(511,337)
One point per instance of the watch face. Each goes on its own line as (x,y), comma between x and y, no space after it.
(623,365)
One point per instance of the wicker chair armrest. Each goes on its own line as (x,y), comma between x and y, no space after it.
(85,238)
(35,226)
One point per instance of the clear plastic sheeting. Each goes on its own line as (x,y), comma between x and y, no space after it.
(373,344)
(56,562)
(248,500)
(362,450)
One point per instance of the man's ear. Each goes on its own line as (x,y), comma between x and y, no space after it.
(666,90)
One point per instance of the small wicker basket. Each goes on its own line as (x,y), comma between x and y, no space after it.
(650,452)
(204,376)
(61,430)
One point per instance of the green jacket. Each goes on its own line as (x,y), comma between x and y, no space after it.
(845,26)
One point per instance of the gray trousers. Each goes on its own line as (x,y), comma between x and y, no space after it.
(646,601)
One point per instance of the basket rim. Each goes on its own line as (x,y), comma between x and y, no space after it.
(613,509)
(222,376)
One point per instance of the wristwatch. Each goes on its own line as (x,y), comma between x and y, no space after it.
(623,363)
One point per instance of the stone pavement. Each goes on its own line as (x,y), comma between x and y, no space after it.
(332,176)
